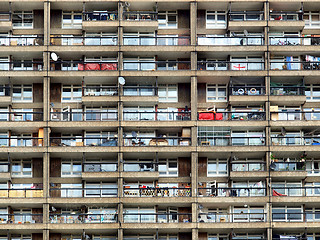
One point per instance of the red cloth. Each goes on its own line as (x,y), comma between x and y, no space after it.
(275,193)
(219,116)
(80,66)
(108,66)
(206,116)
(92,67)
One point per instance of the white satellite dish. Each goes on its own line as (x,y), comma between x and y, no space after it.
(54,56)
(121,80)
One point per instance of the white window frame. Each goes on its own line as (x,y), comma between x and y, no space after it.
(217,162)
(286,219)
(111,191)
(71,23)
(21,114)
(241,214)
(73,97)
(312,97)
(21,173)
(166,23)
(216,24)
(216,98)
(287,185)
(309,24)
(169,172)
(22,88)
(138,210)
(165,88)
(71,172)
(23,19)
(105,113)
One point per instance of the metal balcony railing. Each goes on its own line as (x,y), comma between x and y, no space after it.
(233,116)
(156,41)
(20,40)
(100,16)
(21,218)
(75,218)
(296,216)
(286,16)
(247,90)
(230,66)
(295,140)
(83,66)
(107,166)
(157,217)
(156,192)
(288,115)
(21,116)
(287,90)
(294,65)
(140,16)
(248,166)
(230,41)
(156,141)
(246,16)
(15,141)
(231,141)
(83,192)
(231,217)
(84,41)
(21,66)
(100,91)
(295,191)
(84,116)
(232,192)
(21,193)
(83,141)
(5,16)
(139,166)
(290,166)
(140,91)
(156,65)
(156,116)
(294,41)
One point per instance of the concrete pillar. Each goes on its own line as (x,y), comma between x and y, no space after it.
(46,25)
(194,136)
(120,11)
(193,60)
(194,99)
(46,99)
(120,61)
(195,233)
(194,173)
(46,213)
(120,234)
(120,170)
(269,233)
(120,35)
(193,23)
(46,234)
(46,174)
(120,214)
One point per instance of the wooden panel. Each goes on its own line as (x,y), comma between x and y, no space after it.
(37,236)
(38,18)
(55,142)
(185,236)
(184,92)
(37,92)
(35,142)
(55,167)
(201,19)
(39,115)
(55,193)
(203,236)
(55,92)
(56,19)
(37,167)
(37,218)
(184,63)
(183,19)
(182,211)
(202,166)
(184,166)
(54,236)
(202,98)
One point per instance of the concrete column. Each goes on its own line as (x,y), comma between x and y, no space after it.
(266,10)
(269,234)
(120,170)
(120,11)
(46,99)
(46,25)
(193,23)
(45,234)
(194,99)
(46,213)
(194,138)
(194,173)
(120,234)
(193,59)
(120,61)
(120,137)
(195,233)
(120,36)
(46,174)
(120,106)
(120,214)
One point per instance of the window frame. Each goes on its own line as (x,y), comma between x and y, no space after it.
(23,24)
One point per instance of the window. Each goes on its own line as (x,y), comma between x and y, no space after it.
(313,166)
(71,168)
(138,113)
(216,93)
(249,214)
(3,215)
(139,165)
(100,38)
(311,19)
(22,93)
(101,114)
(312,189)
(71,190)
(71,93)
(168,237)
(218,237)
(217,167)
(214,136)
(100,139)
(101,215)
(71,19)
(4,116)
(100,90)
(21,168)
(21,140)
(97,237)
(4,63)
(22,114)
(287,214)
(100,165)
(139,64)
(101,189)
(248,165)
(139,215)
(247,63)
(22,19)
(312,92)
(22,216)
(138,90)
(168,92)
(285,63)
(139,38)
(249,189)
(216,19)
(20,237)
(312,214)
(4,166)
(242,138)
(168,167)
(248,236)
(70,237)
(168,19)
(287,188)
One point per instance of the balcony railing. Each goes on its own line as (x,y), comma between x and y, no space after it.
(21,193)
(290,166)
(100,91)
(247,90)
(21,116)
(232,192)
(294,41)
(21,218)
(156,41)
(233,116)
(231,217)
(286,16)
(295,65)
(83,141)
(14,141)
(140,16)
(156,192)
(84,41)
(156,141)
(84,116)
(246,16)
(139,166)
(296,216)
(83,218)
(157,217)
(84,66)
(230,41)
(20,40)
(5,16)
(83,192)
(296,115)
(230,66)
(156,116)
(295,140)
(100,166)
(248,166)
(140,91)
(231,141)
(21,66)
(156,65)
(100,16)
(287,90)
(295,191)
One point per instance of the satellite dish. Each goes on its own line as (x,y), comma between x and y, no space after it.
(54,56)
(121,80)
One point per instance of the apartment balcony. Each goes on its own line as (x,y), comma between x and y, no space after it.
(287,94)
(5,175)
(5,96)
(17,141)
(231,217)
(149,42)
(99,95)
(21,218)
(230,41)
(231,141)
(21,66)
(157,141)
(84,66)
(146,170)
(94,116)
(83,218)
(286,20)
(140,20)
(156,116)
(100,21)
(5,21)
(100,170)
(295,140)
(247,94)
(140,95)
(296,216)
(244,170)
(288,170)
(22,193)
(29,43)
(88,193)
(289,44)
(82,41)
(156,192)
(233,116)
(248,20)
(232,192)
(83,141)
(295,191)
(147,218)
(17,116)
